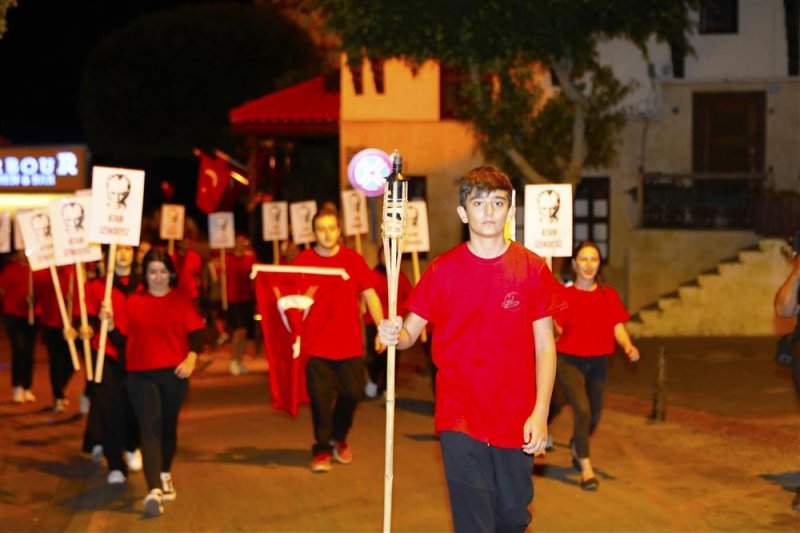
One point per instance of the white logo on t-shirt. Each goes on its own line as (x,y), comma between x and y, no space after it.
(511,301)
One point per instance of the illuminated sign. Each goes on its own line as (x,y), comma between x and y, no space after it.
(42,168)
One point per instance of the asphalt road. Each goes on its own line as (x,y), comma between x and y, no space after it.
(726,458)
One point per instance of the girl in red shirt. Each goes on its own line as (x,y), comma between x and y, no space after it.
(164,338)
(111,421)
(588,327)
(14,289)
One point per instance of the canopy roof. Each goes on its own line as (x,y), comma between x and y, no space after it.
(308,108)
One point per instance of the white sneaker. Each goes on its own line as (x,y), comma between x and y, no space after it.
(549,444)
(167,487)
(19,395)
(28,395)
(97,453)
(61,405)
(152,503)
(236,368)
(371,390)
(134,460)
(115,477)
(86,403)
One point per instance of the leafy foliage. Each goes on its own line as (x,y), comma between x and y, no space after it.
(5,5)
(509,40)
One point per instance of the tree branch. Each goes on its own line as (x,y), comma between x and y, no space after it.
(525,167)
(580,148)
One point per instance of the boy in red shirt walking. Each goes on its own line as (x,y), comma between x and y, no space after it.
(491,303)
(335,372)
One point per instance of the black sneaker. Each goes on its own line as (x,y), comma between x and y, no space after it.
(152,503)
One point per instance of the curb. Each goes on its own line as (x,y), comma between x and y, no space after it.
(705,421)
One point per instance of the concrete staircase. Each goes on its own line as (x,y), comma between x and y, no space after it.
(735,299)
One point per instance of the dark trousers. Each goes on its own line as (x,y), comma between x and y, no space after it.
(157,397)
(61,368)
(583,380)
(490,488)
(334,387)
(23,339)
(376,362)
(112,408)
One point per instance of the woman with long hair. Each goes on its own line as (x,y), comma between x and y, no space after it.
(594,319)
(164,338)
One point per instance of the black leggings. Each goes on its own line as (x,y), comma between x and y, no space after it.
(157,397)
(583,380)
(111,405)
(22,337)
(61,368)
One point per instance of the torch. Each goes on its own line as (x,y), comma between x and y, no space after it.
(395,199)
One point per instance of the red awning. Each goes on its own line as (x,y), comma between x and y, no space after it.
(302,109)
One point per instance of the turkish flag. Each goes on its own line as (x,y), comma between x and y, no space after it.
(212,182)
(284,296)
(237,184)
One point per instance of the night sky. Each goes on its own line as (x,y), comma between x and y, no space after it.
(41,58)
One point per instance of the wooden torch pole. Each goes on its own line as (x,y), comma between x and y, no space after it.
(394,206)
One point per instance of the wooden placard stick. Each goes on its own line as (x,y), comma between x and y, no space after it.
(395,199)
(87,343)
(31,315)
(223,282)
(70,295)
(276,253)
(423,335)
(64,316)
(358,243)
(171,247)
(101,348)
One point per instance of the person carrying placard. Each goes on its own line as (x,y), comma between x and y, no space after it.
(491,302)
(53,327)
(119,432)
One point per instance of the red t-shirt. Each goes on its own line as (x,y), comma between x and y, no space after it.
(589,321)
(483,312)
(333,327)
(189,267)
(95,291)
(158,330)
(382,288)
(46,299)
(238,286)
(14,285)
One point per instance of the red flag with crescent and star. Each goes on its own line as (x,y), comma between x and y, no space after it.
(284,296)
(212,182)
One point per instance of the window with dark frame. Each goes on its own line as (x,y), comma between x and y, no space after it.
(719,16)
(728,131)
(591,212)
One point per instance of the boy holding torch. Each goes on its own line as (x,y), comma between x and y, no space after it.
(491,302)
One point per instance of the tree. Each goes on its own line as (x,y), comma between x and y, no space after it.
(165,83)
(509,43)
(5,5)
